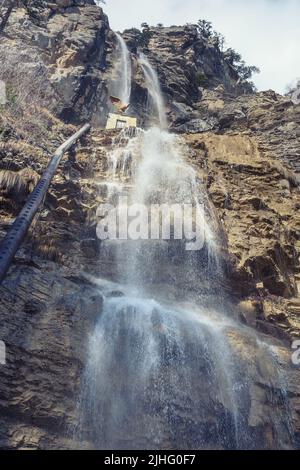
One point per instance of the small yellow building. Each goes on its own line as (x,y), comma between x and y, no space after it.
(120,121)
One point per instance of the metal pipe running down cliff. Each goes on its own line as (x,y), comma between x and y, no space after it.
(18,231)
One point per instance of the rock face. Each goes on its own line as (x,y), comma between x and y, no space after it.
(65,43)
(272,119)
(256,199)
(44,354)
(187,64)
(244,147)
(46,305)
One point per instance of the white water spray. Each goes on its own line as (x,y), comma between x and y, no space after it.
(123,83)
(154,89)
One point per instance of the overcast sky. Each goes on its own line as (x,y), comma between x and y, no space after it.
(265,32)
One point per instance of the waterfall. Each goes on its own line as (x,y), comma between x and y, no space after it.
(154,89)
(123,83)
(142,378)
(168,367)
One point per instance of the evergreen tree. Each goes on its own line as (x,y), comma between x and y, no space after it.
(205,28)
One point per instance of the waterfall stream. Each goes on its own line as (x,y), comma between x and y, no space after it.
(122,84)
(154,90)
(168,365)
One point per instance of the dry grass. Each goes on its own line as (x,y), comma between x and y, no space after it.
(18,183)
(46,250)
(10,181)
(44,241)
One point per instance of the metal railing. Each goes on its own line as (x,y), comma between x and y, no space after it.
(18,231)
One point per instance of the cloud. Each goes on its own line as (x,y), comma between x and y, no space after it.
(265,32)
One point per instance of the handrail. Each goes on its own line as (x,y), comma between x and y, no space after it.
(18,231)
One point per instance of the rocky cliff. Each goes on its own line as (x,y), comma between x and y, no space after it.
(58,50)
(188,64)
(243,145)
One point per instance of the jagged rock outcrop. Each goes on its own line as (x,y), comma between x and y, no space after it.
(251,165)
(187,64)
(60,47)
(257,200)
(272,119)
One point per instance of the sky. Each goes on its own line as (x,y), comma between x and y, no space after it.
(265,32)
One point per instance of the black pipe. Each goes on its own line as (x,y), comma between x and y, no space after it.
(18,231)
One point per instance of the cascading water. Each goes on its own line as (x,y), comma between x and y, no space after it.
(145,384)
(167,368)
(122,84)
(154,90)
